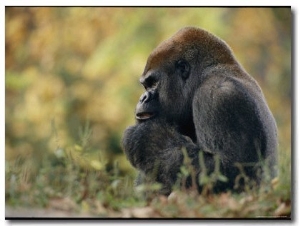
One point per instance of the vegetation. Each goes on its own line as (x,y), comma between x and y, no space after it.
(71,84)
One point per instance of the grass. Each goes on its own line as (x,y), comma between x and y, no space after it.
(78,180)
(63,183)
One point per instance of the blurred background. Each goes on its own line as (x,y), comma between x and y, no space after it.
(72,75)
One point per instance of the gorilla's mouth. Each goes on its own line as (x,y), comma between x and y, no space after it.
(144,115)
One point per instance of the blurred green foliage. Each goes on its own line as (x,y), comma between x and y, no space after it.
(71,73)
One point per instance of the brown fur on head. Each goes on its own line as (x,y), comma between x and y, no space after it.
(191,44)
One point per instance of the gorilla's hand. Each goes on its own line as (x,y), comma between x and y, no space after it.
(156,150)
(145,142)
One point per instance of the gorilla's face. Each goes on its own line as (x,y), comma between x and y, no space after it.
(165,84)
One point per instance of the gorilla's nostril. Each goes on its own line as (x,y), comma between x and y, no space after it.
(146,97)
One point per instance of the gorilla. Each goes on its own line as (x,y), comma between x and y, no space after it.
(200,102)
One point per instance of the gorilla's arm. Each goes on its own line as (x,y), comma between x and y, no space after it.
(153,146)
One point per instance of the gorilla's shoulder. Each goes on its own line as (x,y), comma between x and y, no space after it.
(227,92)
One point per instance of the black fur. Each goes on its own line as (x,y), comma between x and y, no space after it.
(199,98)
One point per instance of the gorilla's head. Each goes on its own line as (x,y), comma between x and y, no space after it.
(173,72)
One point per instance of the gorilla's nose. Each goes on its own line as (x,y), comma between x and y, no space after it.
(146,97)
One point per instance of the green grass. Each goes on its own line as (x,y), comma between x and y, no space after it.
(76,186)
(78,179)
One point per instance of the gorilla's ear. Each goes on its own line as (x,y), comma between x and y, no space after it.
(183,68)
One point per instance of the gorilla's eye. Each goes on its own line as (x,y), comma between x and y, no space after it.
(183,68)
(149,83)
